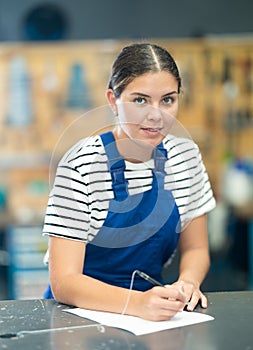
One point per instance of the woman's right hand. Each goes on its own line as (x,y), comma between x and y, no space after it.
(161,303)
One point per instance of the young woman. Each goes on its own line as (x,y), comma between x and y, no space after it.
(125,200)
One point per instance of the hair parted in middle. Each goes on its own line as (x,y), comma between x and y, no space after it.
(137,59)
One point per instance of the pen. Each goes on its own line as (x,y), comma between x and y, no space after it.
(149,279)
(153,281)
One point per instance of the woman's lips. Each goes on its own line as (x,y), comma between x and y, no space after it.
(152,131)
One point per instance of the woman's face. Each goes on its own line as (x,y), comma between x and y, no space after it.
(147,107)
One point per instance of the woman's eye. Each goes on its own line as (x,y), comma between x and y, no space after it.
(168,100)
(139,100)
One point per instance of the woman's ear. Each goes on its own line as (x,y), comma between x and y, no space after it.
(112,101)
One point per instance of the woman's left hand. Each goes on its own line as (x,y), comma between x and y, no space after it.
(193,294)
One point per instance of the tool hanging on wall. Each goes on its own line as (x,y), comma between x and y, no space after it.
(230,92)
(78,95)
(20,111)
(247,75)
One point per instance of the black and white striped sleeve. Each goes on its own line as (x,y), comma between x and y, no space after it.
(68,211)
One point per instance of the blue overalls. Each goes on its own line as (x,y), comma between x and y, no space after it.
(140,231)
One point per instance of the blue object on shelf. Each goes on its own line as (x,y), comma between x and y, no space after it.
(27,274)
(78,92)
(20,111)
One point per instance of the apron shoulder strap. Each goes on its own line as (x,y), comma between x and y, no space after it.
(160,155)
(116,166)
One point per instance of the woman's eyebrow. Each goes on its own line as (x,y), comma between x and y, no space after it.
(170,93)
(139,94)
(145,95)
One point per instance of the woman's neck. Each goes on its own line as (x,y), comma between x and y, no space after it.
(132,150)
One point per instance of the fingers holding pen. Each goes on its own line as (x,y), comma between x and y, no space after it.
(161,303)
(173,294)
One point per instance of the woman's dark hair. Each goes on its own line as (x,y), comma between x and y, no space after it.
(137,59)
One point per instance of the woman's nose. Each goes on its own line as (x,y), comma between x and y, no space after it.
(154,113)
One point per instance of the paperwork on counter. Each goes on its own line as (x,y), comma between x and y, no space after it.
(139,326)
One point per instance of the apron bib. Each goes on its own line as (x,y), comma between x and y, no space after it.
(140,231)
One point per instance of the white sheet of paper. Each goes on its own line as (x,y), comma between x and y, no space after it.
(139,326)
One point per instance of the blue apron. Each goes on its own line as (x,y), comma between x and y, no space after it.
(140,231)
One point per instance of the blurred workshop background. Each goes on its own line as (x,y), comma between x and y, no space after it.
(55,58)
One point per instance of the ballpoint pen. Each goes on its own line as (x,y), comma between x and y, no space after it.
(149,279)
